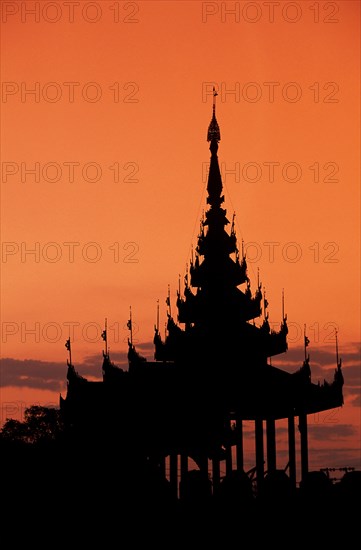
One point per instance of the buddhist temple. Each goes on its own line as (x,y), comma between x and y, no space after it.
(211,371)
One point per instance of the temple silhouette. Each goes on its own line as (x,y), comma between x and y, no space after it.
(211,371)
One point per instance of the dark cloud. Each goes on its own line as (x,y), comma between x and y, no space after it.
(281,431)
(352,374)
(352,390)
(248,429)
(356,401)
(325,355)
(323,363)
(145,347)
(92,364)
(331,432)
(334,457)
(354,396)
(33,374)
(51,375)
(328,429)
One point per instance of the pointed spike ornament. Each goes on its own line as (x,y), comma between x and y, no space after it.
(213,128)
(232,227)
(104,336)
(337,361)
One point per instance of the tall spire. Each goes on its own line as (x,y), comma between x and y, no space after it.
(213,128)
(214,186)
(218,311)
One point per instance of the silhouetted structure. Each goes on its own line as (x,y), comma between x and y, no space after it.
(211,372)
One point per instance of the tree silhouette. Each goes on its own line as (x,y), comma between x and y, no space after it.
(15,431)
(40,425)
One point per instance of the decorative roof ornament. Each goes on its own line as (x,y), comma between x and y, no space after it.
(213,128)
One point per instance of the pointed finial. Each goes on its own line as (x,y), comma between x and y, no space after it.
(265,303)
(157,325)
(104,336)
(306,341)
(168,302)
(68,347)
(336,347)
(338,376)
(130,325)
(186,277)
(233,218)
(213,129)
(214,100)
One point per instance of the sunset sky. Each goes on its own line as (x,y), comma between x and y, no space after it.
(104,113)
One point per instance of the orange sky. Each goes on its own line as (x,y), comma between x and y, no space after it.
(140,103)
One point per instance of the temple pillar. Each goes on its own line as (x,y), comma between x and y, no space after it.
(229,464)
(239,448)
(162,465)
(203,466)
(216,474)
(228,446)
(304,444)
(271,444)
(183,465)
(173,474)
(292,450)
(259,451)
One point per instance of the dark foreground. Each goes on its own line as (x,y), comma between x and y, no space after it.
(49,495)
